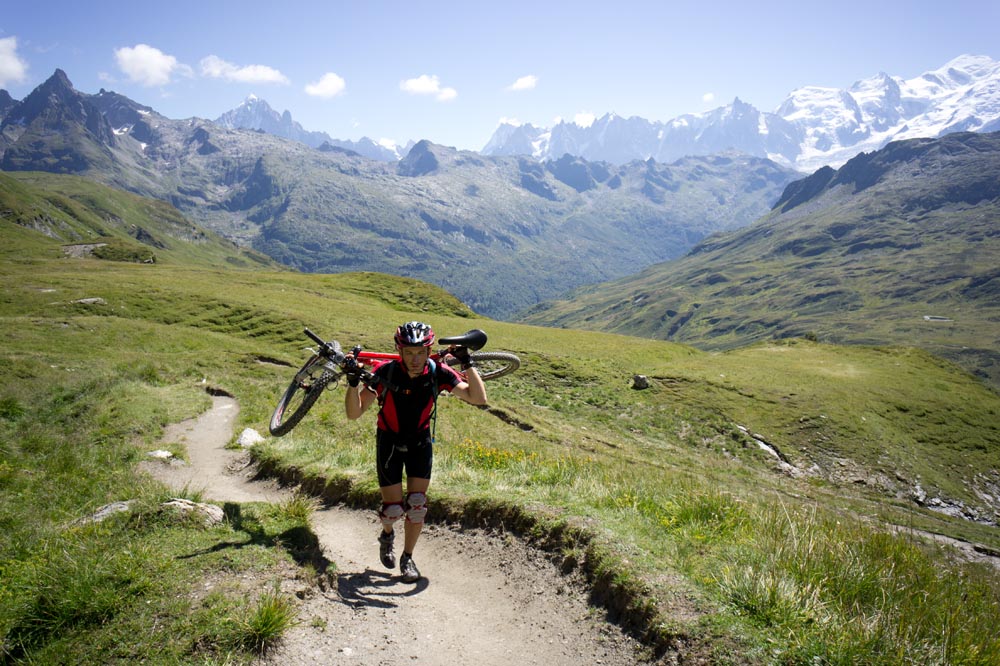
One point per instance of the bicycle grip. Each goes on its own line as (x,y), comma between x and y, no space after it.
(318,340)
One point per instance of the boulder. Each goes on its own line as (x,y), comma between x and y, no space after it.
(249,437)
(640,382)
(210,513)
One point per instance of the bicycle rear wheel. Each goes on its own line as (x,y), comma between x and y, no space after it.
(493,364)
(300,396)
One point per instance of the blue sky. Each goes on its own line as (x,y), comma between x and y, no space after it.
(450,71)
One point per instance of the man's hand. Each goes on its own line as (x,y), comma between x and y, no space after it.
(462,355)
(351,370)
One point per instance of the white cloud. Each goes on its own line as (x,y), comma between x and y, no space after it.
(584,119)
(329,85)
(216,68)
(12,68)
(513,122)
(524,83)
(148,66)
(708,98)
(428,85)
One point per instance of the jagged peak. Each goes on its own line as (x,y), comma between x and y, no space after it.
(58,79)
(57,87)
(420,161)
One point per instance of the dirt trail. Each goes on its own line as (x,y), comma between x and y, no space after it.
(483,600)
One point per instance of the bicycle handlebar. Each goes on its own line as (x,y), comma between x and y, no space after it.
(318,340)
(331,352)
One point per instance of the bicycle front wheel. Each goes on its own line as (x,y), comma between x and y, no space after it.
(493,364)
(300,396)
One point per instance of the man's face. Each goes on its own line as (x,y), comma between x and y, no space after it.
(414,359)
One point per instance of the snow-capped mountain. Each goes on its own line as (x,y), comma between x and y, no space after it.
(256,113)
(813,126)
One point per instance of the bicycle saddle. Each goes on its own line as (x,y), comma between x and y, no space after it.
(474,340)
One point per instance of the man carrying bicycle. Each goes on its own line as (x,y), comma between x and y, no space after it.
(407,393)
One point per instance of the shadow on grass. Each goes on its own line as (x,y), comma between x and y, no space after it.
(300,541)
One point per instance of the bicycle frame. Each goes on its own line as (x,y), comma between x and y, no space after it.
(370,358)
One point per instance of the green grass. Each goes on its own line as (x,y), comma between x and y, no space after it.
(844,593)
(75,420)
(686,529)
(77,592)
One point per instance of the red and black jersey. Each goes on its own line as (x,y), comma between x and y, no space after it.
(406,409)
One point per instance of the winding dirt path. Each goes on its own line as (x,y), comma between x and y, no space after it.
(484,599)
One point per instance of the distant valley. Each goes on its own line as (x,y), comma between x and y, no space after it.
(900,246)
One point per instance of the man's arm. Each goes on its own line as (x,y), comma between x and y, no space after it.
(357,399)
(473,391)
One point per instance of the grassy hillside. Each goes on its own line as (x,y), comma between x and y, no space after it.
(897,247)
(690,532)
(113,224)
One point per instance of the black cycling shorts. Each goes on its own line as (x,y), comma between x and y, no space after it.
(393,454)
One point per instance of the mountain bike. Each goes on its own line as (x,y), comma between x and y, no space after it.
(327,365)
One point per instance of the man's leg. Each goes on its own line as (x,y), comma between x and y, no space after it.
(416,510)
(415,515)
(392,510)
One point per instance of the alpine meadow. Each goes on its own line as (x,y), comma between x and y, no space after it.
(756,420)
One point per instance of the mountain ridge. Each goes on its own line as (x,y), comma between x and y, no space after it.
(255,113)
(813,127)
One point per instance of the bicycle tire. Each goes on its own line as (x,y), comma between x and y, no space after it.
(492,365)
(282,421)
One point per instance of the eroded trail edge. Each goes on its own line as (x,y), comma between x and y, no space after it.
(484,599)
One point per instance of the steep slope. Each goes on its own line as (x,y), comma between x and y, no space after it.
(453,218)
(899,246)
(6,103)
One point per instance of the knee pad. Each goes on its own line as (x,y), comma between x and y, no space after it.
(390,512)
(416,507)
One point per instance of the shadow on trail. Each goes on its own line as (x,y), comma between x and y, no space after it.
(374,589)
